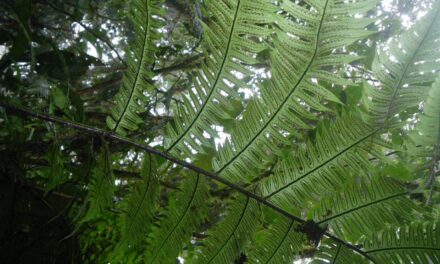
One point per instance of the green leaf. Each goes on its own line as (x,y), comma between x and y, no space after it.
(186,211)
(280,243)
(335,253)
(406,68)
(228,239)
(138,207)
(130,100)
(363,207)
(234,33)
(417,243)
(101,187)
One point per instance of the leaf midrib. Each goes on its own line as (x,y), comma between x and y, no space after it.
(147,189)
(281,106)
(402,248)
(233,232)
(337,254)
(361,206)
(102,181)
(141,62)
(410,62)
(180,220)
(322,164)
(214,86)
(282,241)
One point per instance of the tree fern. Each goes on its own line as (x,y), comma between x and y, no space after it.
(228,239)
(101,187)
(415,243)
(280,243)
(231,42)
(138,208)
(405,68)
(364,207)
(131,100)
(185,213)
(305,47)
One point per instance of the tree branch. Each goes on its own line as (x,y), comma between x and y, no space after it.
(191,61)
(113,137)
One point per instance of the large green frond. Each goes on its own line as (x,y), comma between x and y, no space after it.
(338,154)
(405,68)
(186,212)
(139,207)
(231,40)
(131,100)
(280,243)
(307,55)
(101,187)
(363,207)
(418,243)
(228,239)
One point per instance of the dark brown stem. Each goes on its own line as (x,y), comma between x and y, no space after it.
(192,61)
(114,137)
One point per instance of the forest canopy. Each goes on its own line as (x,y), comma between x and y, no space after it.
(220,131)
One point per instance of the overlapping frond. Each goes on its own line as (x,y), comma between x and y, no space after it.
(427,137)
(228,239)
(138,207)
(101,187)
(308,51)
(280,243)
(339,153)
(186,211)
(131,100)
(428,126)
(418,243)
(335,253)
(405,68)
(363,207)
(234,34)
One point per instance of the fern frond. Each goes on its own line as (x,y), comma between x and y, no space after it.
(139,207)
(339,153)
(406,68)
(55,172)
(227,240)
(427,135)
(231,42)
(335,253)
(363,207)
(428,127)
(306,57)
(101,187)
(280,243)
(130,100)
(186,212)
(418,243)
